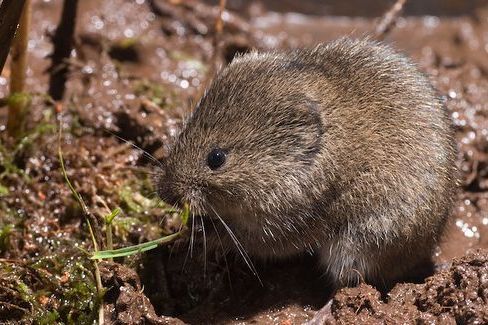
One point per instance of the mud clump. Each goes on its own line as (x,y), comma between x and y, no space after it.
(125,301)
(458,295)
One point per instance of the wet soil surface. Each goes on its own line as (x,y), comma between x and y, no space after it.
(136,71)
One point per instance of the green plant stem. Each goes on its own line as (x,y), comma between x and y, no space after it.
(110,244)
(131,250)
(86,213)
(98,277)
(108,232)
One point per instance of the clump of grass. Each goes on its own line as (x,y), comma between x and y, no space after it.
(87,215)
(136,203)
(8,155)
(142,210)
(11,225)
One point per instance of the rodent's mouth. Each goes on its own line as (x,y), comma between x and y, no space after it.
(204,218)
(204,224)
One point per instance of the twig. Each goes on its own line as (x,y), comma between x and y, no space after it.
(176,11)
(219,23)
(197,14)
(10,11)
(7,305)
(18,66)
(389,19)
(63,44)
(19,51)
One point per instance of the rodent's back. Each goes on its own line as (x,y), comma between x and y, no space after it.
(384,122)
(386,131)
(391,143)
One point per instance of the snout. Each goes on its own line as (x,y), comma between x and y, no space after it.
(169,196)
(177,194)
(168,192)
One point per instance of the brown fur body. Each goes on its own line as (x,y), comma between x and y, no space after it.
(344,150)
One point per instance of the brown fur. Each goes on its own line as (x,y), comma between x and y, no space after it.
(344,150)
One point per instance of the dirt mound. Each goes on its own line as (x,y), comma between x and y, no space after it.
(458,295)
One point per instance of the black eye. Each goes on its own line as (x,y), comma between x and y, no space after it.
(216,158)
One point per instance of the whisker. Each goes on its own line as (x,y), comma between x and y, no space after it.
(192,237)
(154,195)
(224,253)
(176,246)
(147,154)
(189,251)
(204,248)
(239,246)
(141,169)
(177,242)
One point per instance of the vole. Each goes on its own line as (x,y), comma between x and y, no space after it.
(344,150)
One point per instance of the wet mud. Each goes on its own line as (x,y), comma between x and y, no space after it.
(137,70)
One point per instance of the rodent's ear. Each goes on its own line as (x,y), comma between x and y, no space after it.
(311,109)
(312,137)
(299,130)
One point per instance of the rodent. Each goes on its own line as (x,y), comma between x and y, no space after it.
(344,150)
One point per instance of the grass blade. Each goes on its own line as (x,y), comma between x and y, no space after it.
(131,250)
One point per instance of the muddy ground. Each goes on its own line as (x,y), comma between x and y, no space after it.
(136,70)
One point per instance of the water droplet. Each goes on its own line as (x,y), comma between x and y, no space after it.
(184,84)
(129,33)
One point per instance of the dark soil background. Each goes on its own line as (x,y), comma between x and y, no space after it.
(136,71)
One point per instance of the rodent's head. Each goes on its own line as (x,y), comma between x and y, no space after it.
(249,146)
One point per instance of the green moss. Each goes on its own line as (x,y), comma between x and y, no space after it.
(73,284)
(141,208)
(19,104)
(189,60)
(8,155)
(47,317)
(155,92)
(127,42)
(25,292)
(5,232)
(19,99)
(3,190)
(59,288)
